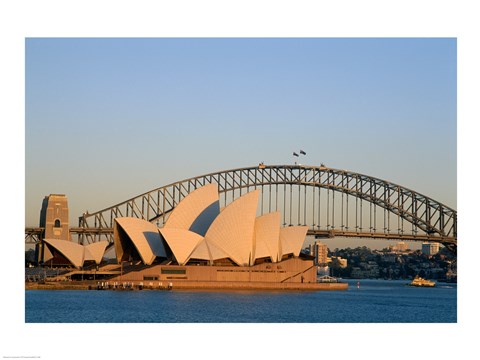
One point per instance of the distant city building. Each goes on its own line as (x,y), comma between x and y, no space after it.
(399,247)
(320,251)
(430,249)
(341,262)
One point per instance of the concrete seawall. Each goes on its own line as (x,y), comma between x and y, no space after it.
(186,285)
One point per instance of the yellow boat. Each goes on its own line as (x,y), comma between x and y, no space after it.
(421,282)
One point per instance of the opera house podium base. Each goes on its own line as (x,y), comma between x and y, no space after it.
(290,274)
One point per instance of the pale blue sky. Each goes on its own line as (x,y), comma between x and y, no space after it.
(108,119)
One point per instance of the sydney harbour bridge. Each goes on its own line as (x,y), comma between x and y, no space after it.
(329,201)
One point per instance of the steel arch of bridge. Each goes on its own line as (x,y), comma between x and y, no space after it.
(305,195)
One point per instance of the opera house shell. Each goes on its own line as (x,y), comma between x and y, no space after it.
(198,232)
(75,253)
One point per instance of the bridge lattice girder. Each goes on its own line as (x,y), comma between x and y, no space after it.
(425,214)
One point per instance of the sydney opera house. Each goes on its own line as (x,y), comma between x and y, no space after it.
(203,246)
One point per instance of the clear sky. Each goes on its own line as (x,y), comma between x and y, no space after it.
(108,119)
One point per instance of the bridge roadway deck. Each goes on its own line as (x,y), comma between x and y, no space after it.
(311,232)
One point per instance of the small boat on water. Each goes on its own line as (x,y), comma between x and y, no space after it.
(421,282)
(327,279)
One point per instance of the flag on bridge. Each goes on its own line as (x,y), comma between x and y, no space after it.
(303,152)
(295,154)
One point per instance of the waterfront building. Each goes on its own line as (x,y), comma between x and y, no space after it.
(198,232)
(430,249)
(203,246)
(320,251)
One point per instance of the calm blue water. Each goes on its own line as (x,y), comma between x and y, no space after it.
(376,301)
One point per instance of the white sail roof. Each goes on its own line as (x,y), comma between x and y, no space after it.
(181,242)
(95,251)
(232,230)
(47,254)
(196,211)
(267,233)
(144,236)
(72,251)
(291,240)
(206,250)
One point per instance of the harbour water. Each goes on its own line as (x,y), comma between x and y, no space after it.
(373,301)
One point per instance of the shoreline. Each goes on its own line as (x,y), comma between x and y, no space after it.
(185,285)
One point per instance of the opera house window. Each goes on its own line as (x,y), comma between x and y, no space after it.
(173,271)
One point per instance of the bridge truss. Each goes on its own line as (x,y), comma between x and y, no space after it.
(330,202)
